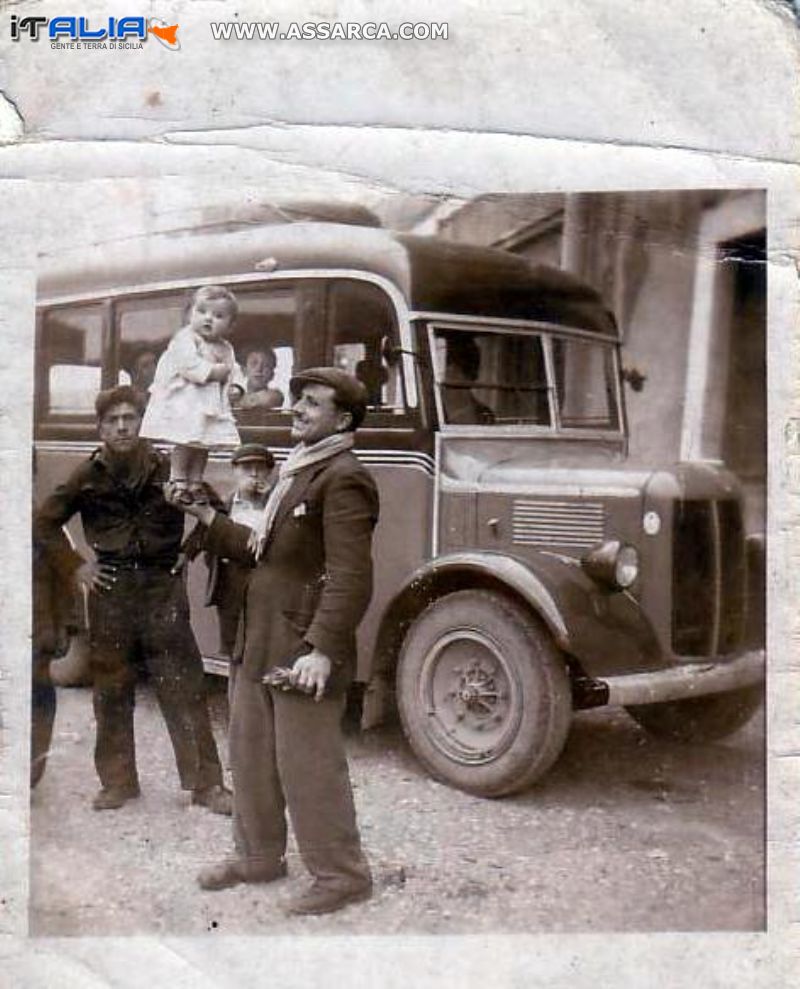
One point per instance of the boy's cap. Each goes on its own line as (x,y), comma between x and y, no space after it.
(351,395)
(252,451)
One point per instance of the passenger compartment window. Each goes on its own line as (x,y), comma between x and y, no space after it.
(146,326)
(71,350)
(491,378)
(263,338)
(365,343)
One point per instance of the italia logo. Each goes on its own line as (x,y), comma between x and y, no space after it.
(165,34)
(110,30)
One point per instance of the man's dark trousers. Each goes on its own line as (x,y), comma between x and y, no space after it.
(285,746)
(146,616)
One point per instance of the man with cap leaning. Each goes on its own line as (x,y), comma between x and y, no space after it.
(309,588)
(138,609)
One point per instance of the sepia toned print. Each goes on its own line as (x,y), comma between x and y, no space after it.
(566,426)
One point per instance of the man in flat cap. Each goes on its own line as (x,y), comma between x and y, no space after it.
(309,588)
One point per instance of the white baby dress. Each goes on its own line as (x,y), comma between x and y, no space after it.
(185,407)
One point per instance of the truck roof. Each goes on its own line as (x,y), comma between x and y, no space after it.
(433,275)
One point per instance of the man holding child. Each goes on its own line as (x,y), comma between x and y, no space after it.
(310,584)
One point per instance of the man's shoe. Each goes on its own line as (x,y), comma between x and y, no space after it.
(216,798)
(113,797)
(232,872)
(319,898)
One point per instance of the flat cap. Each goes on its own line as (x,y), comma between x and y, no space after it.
(350,393)
(252,451)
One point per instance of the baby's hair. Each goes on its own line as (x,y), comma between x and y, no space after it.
(212,293)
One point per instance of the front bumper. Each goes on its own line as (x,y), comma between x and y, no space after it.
(681,682)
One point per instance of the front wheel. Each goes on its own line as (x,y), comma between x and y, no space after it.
(699,719)
(483,693)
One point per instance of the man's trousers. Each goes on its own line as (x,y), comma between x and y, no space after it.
(144,618)
(287,752)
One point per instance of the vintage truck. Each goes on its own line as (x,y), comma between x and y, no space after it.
(523,567)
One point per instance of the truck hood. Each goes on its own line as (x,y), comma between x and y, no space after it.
(578,473)
(522,472)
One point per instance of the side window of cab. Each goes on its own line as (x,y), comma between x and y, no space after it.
(489,376)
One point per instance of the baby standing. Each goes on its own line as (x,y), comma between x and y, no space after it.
(190,397)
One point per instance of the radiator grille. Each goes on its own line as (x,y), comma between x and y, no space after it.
(708,578)
(733,577)
(572,525)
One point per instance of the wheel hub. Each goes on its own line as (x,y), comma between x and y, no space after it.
(469,690)
(476,691)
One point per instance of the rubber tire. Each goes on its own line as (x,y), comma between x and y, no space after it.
(541,703)
(699,719)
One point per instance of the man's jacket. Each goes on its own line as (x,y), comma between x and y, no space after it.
(313,582)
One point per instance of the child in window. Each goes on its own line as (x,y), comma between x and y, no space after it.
(196,380)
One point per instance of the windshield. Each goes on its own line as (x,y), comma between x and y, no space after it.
(501,377)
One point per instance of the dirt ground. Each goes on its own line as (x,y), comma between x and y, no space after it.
(625,834)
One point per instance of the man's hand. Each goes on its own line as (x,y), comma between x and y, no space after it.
(255,543)
(180,563)
(311,672)
(205,513)
(97,577)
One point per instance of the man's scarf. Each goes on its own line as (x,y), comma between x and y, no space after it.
(299,458)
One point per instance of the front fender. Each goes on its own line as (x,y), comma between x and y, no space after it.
(607,632)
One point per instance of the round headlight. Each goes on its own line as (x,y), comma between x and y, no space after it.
(626,566)
(614,565)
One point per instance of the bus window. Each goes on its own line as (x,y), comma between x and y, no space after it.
(488,378)
(262,337)
(71,350)
(264,340)
(364,342)
(146,325)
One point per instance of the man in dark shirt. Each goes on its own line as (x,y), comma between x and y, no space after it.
(138,607)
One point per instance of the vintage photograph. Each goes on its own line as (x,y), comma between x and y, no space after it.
(400,443)
(399,568)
